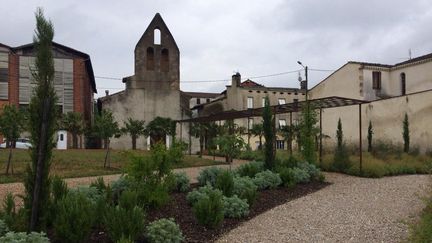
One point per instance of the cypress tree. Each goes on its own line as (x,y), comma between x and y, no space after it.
(269,135)
(406,133)
(307,133)
(42,125)
(341,159)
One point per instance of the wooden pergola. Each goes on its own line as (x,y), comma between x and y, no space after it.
(320,103)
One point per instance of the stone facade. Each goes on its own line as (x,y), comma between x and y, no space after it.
(154,89)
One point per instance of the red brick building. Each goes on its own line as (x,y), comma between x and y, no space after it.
(74,80)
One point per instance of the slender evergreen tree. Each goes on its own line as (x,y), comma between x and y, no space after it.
(341,159)
(307,133)
(369,136)
(269,135)
(406,133)
(43,117)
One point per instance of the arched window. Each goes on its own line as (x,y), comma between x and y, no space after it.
(164,60)
(157,37)
(403,83)
(150,58)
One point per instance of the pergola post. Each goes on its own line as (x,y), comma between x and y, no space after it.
(248,130)
(190,138)
(290,135)
(320,137)
(274,132)
(360,140)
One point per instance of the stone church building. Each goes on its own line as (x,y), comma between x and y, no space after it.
(154,89)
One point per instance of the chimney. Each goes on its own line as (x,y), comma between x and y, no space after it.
(236,80)
(106,92)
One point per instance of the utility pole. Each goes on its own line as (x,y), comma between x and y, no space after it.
(305,86)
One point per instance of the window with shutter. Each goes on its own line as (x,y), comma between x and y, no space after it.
(376,80)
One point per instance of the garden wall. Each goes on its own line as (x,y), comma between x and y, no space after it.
(386,116)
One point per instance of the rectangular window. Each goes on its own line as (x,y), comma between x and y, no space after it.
(4,87)
(280,144)
(208,100)
(250,102)
(198,101)
(4,75)
(263,102)
(376,80)
(281,101)
(282,123)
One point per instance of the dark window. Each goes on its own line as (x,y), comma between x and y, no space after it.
(376,80)
(280,144)
(150,58)
(208,100)
(403,83)
(165,60)
(61,137)
(4,75)
(198,101)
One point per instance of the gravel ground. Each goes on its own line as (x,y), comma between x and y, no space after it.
(18,188)
(352,209)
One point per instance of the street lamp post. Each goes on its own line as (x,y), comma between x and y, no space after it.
(306,78)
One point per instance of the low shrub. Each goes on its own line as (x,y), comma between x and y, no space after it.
(311,169)
(3,228)
(209,175)
(175,152)
(182,182)
(291,162)
(90,193)
(128,199)
(197,194)
(225,183)
(124,239)
(74,217)
(209,210)
(267,179)
(8,213)
(99,184)
(124,223)
(234,207)
(22,237)
(250,169)
(300,175)
(245,188)
(59,188)
(118,186)
(421,231)
(164,230)
(287,176)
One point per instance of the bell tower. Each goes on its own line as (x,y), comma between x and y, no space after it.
(157,59)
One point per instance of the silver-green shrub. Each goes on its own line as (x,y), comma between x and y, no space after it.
(197,194)
(22,237)
(300,175)
(234,207)
(311,169)
(182,182)
(124,222)
(209,175)
(245,188)
(267,179)
(164,230)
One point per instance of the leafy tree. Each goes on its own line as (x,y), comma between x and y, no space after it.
(105,128)
(134,128)
(369,136)
(258,131)
(199,130)
(43,117)
(406,133)
(289,133)
(159,128)
(308,132)
(269,135)
(11,126)
(230,145)
(341,158)
(73,122)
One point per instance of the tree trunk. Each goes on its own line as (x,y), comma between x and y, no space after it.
(9,159)
(260,142)
(134,138)
(74,141)
(107,154)
(201,141)
(40,165)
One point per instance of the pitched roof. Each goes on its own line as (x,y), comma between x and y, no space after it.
(201,94)
(250,83)
(413,60)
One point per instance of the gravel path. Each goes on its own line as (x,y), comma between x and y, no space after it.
(352,209)
(192,172)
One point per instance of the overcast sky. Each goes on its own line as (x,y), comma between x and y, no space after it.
(219,37)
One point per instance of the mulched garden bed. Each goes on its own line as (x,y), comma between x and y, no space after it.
(179,209)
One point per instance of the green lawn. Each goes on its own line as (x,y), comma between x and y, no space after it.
(82,163)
